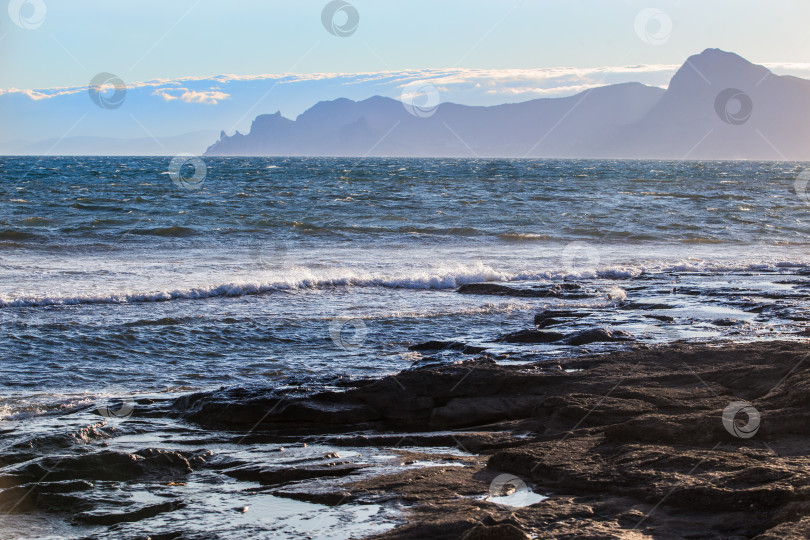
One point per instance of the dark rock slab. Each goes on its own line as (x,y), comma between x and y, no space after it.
(645,306)
(597,335)
(331,498)
(271,476)
(662,318)
(145,512)
(472,411)
(729,322)
(551,317)
(568,290)
(432,346)
(531,337)
(113,466)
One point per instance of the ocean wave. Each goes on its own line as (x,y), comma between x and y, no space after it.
(523,237)
(440,278)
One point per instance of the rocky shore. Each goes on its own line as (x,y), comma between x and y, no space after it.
(692,441)
(678,441)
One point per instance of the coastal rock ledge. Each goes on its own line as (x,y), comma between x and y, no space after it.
(688,440)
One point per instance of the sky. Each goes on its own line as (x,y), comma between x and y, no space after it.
(141,40)
(483,51)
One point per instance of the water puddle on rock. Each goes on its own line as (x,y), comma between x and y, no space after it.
(518,499)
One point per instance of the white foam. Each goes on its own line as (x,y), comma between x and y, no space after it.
(446,277)
(440,277)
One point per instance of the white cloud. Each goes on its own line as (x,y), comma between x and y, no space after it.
(471,86)
(537,78)
(211,97)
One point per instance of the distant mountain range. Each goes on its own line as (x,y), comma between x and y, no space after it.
(717,106)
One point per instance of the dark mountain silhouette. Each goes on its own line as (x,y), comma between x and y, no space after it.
(718,106)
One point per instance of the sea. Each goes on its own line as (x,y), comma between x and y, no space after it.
(130,279)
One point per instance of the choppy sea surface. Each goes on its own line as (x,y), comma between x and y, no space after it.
(119,283)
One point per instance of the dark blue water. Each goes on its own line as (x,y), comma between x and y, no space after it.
(114,275)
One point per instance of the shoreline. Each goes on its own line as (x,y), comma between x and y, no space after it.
(628,443)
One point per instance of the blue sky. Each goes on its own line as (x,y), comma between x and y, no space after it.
(475,52)
(147,39)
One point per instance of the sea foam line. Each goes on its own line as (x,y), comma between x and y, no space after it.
(442,278)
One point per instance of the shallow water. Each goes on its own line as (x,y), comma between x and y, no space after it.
(119,285)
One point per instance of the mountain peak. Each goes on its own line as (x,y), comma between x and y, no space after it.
(716,66)
(713,59)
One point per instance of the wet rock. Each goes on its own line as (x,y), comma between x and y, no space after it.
(597,335)
(239,408)
(432,362)
(758,308)
(436,346)
(430,346)
(545,323)
(645,306)
(326,499)
(728,322)
(144,512)
(280,475)
(531,337)
(662,318)
(44,497)
(464,412)
(435,362)
(568,290)
(113,466)
(551,317)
